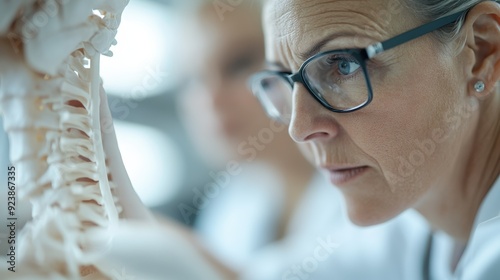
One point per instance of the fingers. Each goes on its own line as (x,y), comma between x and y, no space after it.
(107,126)
(132,206)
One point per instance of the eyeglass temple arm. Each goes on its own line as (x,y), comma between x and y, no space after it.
(380,47)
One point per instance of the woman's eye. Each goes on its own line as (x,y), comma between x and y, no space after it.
(342,65)
(346,67)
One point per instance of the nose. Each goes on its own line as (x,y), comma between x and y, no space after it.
(310,120)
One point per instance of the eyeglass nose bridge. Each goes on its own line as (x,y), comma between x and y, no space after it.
(299,78)
(296,78)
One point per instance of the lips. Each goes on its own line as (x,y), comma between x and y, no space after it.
(343,175)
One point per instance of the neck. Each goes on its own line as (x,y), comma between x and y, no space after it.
(452,205)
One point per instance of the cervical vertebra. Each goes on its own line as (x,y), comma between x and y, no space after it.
(49,98)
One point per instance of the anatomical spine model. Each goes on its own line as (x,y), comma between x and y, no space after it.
(49,99)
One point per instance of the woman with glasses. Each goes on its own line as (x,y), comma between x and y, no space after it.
(259,227)
(225,122)
(400,102)
(277,208)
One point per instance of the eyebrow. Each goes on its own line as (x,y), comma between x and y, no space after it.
(318,46)
(314,49)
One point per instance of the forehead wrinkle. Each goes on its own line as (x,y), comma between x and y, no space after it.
(364,21)
(352,22)
(329,10)
(303,23)
(283,31)
(284,19)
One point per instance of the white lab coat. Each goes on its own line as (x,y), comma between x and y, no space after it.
(321,242)
(481,258)
(243,217)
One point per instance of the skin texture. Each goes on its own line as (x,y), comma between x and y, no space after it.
(428,139)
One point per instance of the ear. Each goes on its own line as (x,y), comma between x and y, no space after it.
(482,27)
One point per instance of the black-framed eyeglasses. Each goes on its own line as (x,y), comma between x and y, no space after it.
(337,79)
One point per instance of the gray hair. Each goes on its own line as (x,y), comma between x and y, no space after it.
(429,10)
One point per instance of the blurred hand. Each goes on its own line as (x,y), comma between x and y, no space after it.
(133,208)
(152,251)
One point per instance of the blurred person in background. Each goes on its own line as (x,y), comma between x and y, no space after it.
(226,123)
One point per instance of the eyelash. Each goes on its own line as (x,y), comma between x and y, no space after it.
(334,60)
(340,58)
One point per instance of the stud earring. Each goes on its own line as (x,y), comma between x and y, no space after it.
(480,86)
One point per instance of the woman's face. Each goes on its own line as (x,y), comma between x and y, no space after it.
(396,152)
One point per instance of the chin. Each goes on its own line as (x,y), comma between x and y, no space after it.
(369,213)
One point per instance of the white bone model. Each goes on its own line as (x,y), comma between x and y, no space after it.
(49,99)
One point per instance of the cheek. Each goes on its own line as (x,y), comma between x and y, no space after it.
(409,121)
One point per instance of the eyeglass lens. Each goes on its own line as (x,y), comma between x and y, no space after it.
(336,78)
